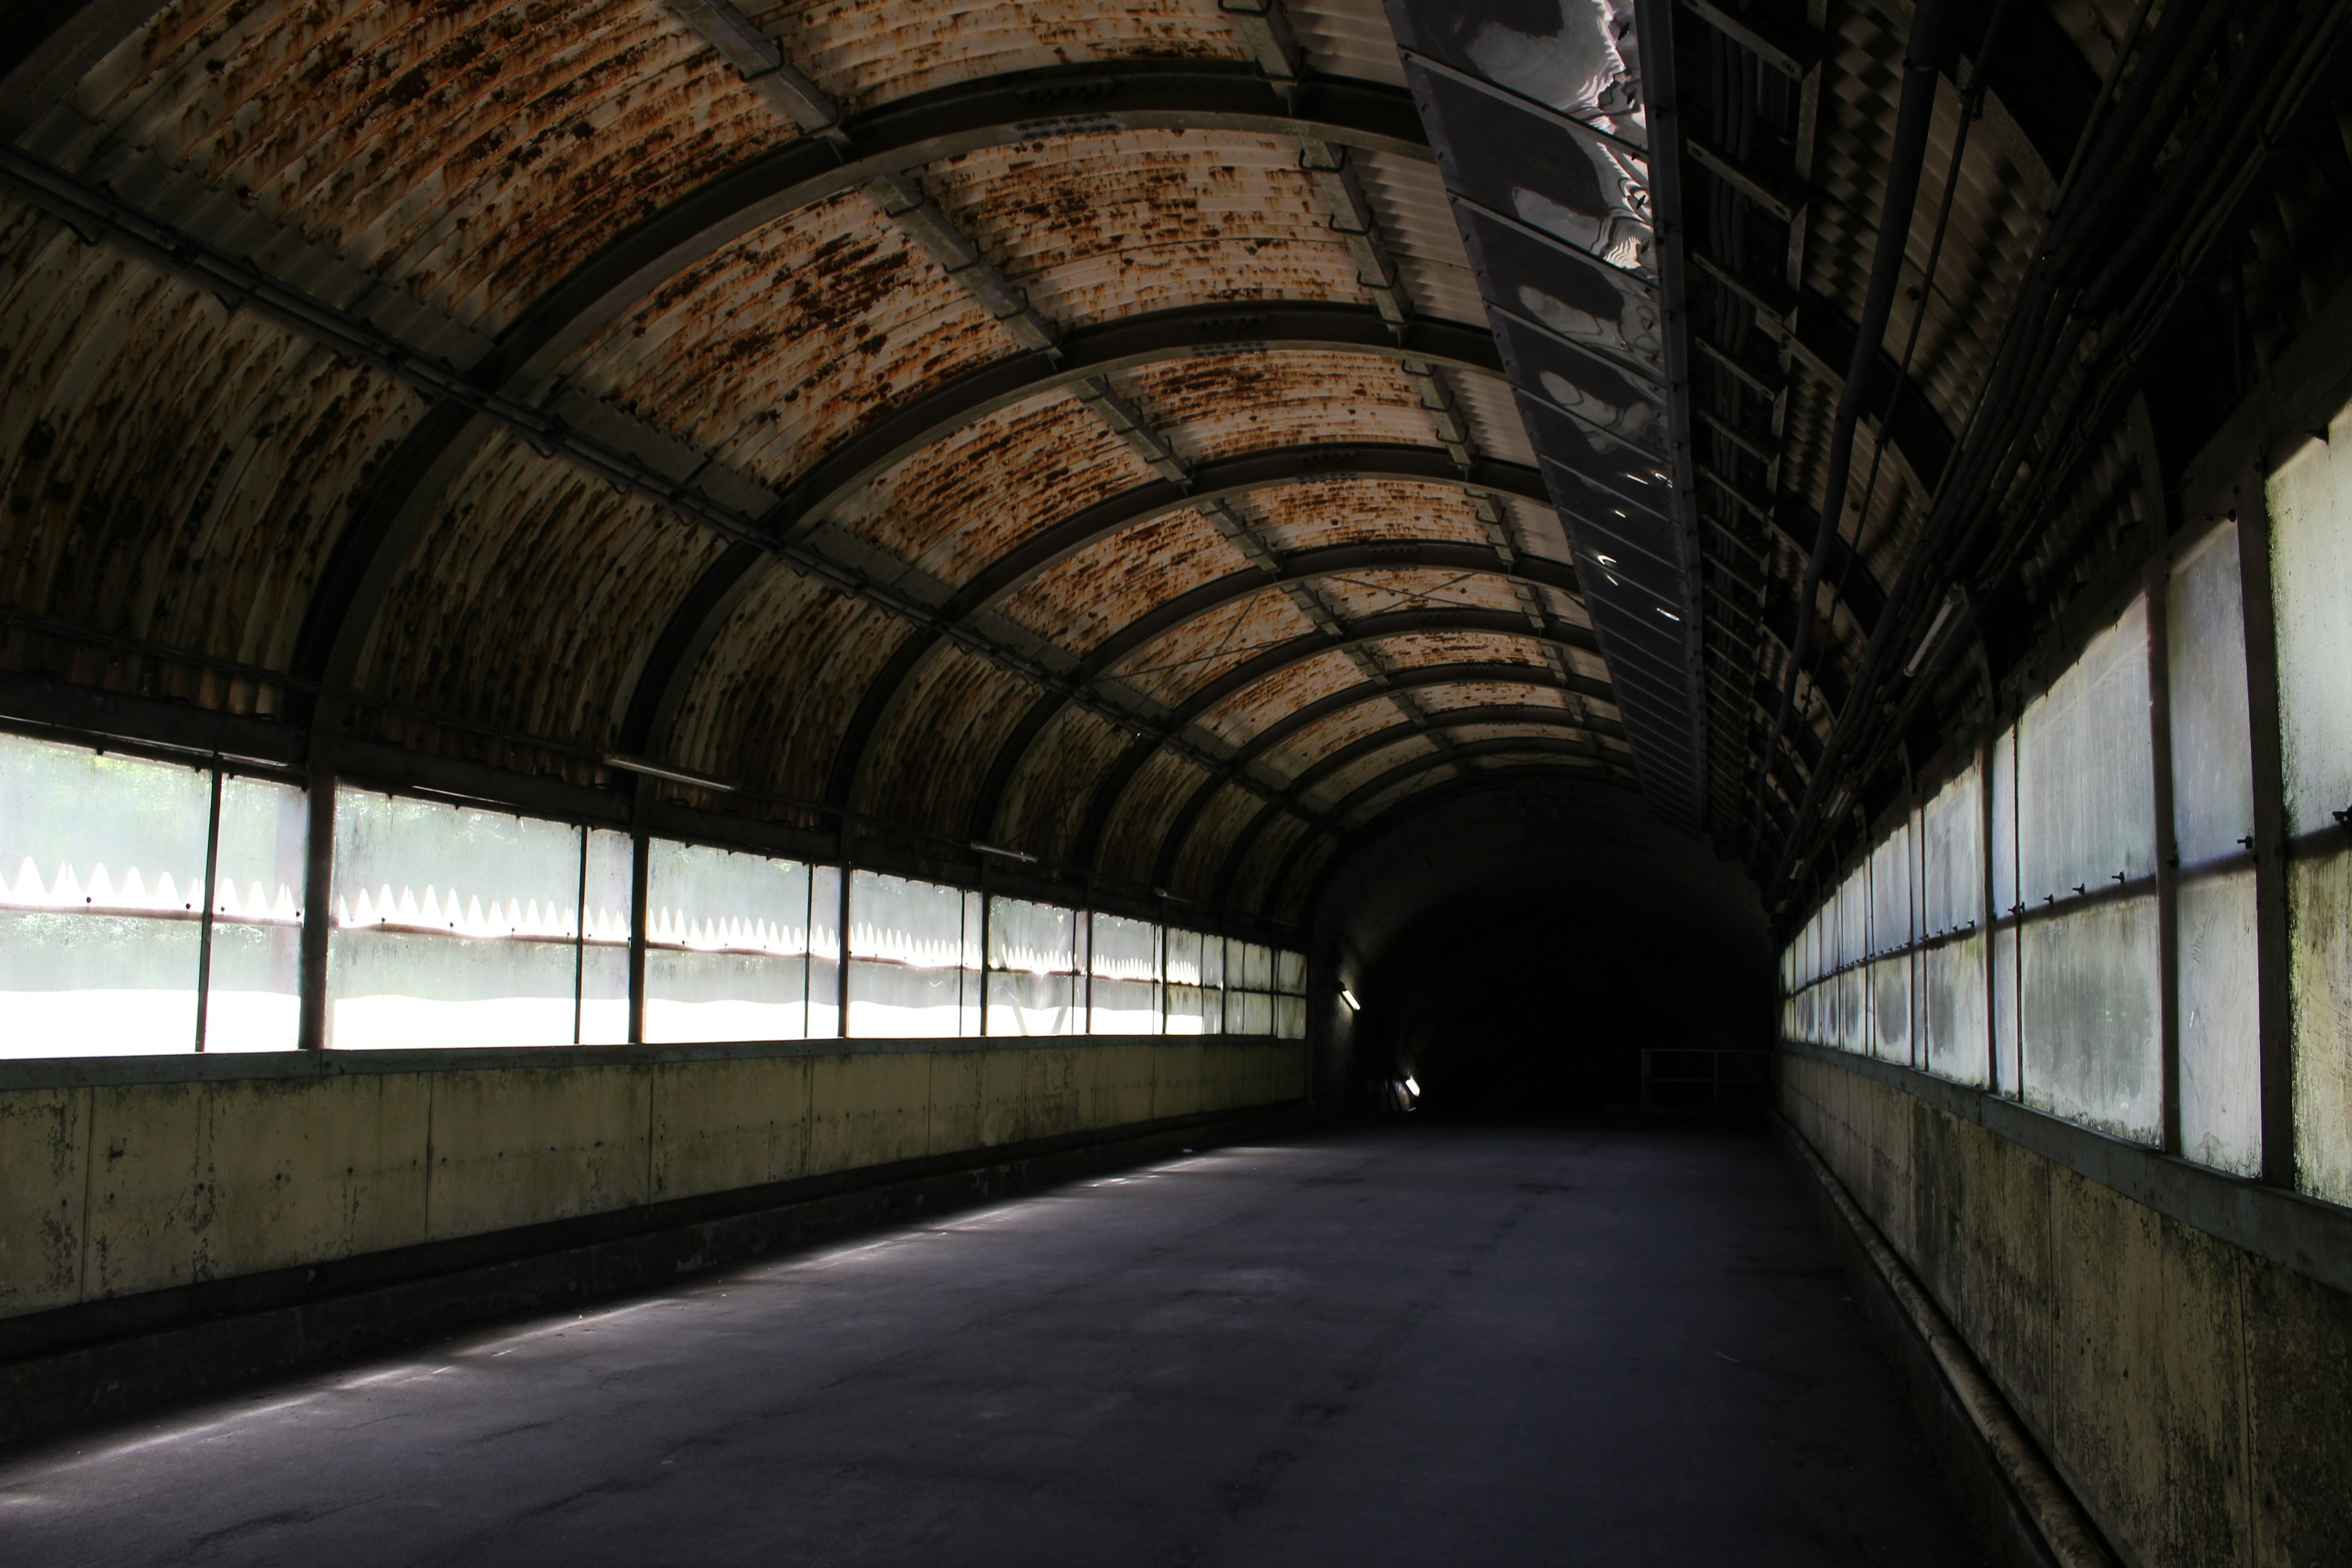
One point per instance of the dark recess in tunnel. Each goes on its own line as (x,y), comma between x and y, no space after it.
(1517,945)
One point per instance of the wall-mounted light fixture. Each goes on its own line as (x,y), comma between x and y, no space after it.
(1350,998)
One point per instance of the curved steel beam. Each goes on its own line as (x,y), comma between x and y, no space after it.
(1179,829)
(1397,811)
(1336,817)
(1093,350)
(1224,480)
(1469,560)
(1292,797)
(993,112)
(1373,629)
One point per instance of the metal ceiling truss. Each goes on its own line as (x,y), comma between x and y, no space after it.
(1178,831)
(1575,763)
(1575,742)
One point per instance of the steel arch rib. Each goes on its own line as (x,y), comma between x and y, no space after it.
(1372,628)
(1423,800)
(1403,771)
(1140,634)
(1383,740)
(1224,480)
(1093,350)
(1179,828)
(1089,99)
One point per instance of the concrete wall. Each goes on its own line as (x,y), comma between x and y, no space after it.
(118,1177)
(2195,1393)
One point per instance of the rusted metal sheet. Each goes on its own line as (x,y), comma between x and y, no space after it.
(770,703)
(532,599)
(1131,836)
(1349,511)
(1215,404)
(1107,587)
(1347,38)
(929,763)
(774,349)
(1203,855)
(474,150)
(1302,751)
(1466,694)
(172,470)
(1250,710)
(1196,653)
(1360,594)
(870,53)
(1047,803)
(1335,787)
(1264,857)
(1098,226)
(1419,648)
(961,503)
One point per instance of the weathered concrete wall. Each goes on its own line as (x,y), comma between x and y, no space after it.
(215,1167)
(2196,1395)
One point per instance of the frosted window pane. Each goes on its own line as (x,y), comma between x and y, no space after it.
(1212,961)
(1890,892)
(1022,1001)
(2220,1055)
(1952,857)
(1290,972)
(2311,589)
(1854,1011)
(1890,1007)
(824,952)
(1039,937)
(453,926)
(1248,1013)
(907,944)
(2319,971)
(1290,1017)
(101,873)
(1183,957)
(727,938)
(2004,823)
(604,950)
(253,997)
(1185,1014)
(694,995)
(2006,1023)
(2212,748)
(1125,948)
(2091,1051)
(1125,1007)
(1952,1009)
(2086,794)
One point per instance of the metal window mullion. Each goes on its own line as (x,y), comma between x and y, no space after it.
(2155,578)
(204,926)
(317,894)
(2273,1001)
(580,937)
(641,853)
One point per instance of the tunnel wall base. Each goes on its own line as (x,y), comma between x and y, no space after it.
(233,1217)
(2187,1388)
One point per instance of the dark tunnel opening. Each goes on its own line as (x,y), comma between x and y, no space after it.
(1508,1006)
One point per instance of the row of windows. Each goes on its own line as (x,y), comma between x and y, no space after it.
(459,926)
(2012,933)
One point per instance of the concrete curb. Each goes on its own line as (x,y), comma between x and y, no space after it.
(229,1335)
(2026,1514)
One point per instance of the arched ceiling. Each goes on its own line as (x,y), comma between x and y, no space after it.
(1077,429)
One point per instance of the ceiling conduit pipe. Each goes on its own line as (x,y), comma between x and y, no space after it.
(1922,64)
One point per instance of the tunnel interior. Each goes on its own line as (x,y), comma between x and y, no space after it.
(1388,740)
